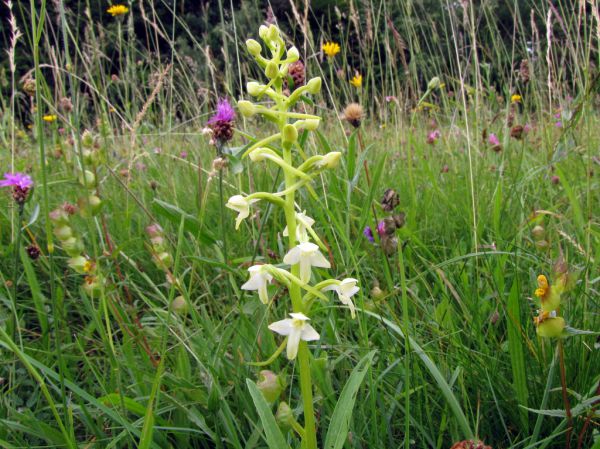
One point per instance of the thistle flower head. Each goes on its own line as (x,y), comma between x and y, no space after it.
(353,114)
(20,180)
(222,122)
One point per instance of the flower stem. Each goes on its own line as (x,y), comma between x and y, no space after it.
(563,382)
(310,435)
(15,320)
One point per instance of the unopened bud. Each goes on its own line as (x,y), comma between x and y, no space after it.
(270,385)
(88,179)
(314,85)
(72,246)
(434,83)
(87,139)
(538,233)
(289,133)
(284,415)
(377,293)
(271,70)
(165,259)
(311,124)
(293,54)
(331,160)
(95,204)
(246,108)
(180,305)
(263,32)
(78,264)
(63,232)
(254,88)
(253,47)
(273,33)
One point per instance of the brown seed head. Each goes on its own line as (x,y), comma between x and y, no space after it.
(353,114)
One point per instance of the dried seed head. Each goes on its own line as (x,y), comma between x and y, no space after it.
(390,200)
(353,114)
(516,132)
(65,105)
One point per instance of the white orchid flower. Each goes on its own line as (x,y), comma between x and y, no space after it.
(295,329)
(303,224)
(241,205)
(259,279)
(345,290)
(307,254)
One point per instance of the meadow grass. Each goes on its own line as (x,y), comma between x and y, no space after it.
(159,358)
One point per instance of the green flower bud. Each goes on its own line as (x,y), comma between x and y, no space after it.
(270,385)
(377,293)
(289,133)
(271,70)
(311,124)
(253,47)
(88,179)
(72,246)
(59,217)
(246,108)
(314,85)
(87,139)
(165,259)
(63,232)
(551,327)
(79,264)
(538,233)
(273,33)
(95,204)
(434,83)
(254,89)
(180,305)
(331,160)
(263,32)
(293,54)
(284,416)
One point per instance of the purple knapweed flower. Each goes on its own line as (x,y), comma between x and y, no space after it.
(20,180)
(381,228)
(183,155)
(222,122)
(368,233)
(433,136)
(558,124)
(493,139)
(20,183)
(225,112)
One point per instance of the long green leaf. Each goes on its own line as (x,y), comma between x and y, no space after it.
(437,375)
(273,435)
(340,420)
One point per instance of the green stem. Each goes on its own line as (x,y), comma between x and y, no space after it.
(15,320)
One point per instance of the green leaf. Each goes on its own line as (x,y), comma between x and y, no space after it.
(273,435)
(148,428)
(191,224)
(435,372)
(340,420)
(515,349)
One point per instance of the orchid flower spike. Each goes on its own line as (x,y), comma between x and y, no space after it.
(295,329)
(259,278)
(241,205)
(303,224)
(307,254)
(345,290)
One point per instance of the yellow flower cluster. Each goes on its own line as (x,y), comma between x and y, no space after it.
(117,10)
(331,49)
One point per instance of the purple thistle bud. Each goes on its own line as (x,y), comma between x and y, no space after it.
(493,139)
(368,233)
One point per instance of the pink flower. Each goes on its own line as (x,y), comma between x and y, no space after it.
(225,113)
(183,154)
(433,136)
(493,139)
(558,124)
(20,180)
(527,128)
(381,228)
(390,98)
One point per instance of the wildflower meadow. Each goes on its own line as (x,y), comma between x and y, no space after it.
(300,225)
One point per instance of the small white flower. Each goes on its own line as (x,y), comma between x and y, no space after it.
(241,205)
(259,278)
(307,254)
(295,329)
(345,290)
(303,224)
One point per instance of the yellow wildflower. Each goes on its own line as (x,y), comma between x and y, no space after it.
(117,10)
(49,118)
(356,81)
(543,286)
(516,98)
(549,296)
(331,49)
